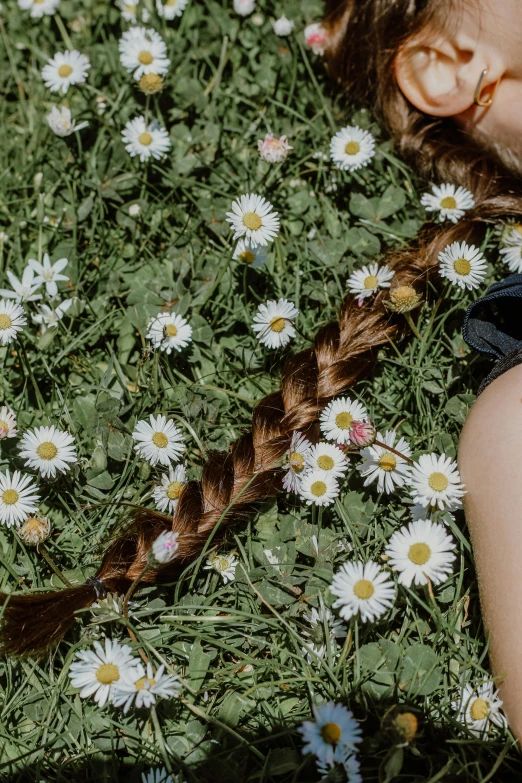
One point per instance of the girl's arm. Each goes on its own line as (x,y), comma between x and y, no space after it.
(490,463)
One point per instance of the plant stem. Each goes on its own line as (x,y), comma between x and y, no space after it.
(126,600)
(393,451)
(412,326)
(50,562)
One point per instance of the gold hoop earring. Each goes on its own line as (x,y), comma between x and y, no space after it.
(476,98)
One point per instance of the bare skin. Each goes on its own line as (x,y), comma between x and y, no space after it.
(490,463)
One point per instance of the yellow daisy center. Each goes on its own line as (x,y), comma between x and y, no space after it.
(252,221)
(145,138)
(403,296)
(174,490)
(145,57)
(352,148)
(221,563)
(171,2)
(247,256)
(297,461)
(37,2)
(419,553)
(10,496)
(406,724)
(363,589)
(160,440)
(344,420)
(4,426)
(277,324)
(107,673)
(150,83)
(171,330)
(388,462)
(318,488)
(518,228)
(325,462)
(479,709)
(47,450)
(131,9)
(331,733)
(462,266)
(33,525)
(5,321)
(65,70)
(142,683)
(371,281)
(438,482)
(448,203)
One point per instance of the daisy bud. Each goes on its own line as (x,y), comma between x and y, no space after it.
(35,530)
(362,434)
(273,150)
(150,83)
(164,549)
(316,37)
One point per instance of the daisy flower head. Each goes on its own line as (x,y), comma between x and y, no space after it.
(328,458)
(48,450)
(65,69)
(12,319)
(422,551)
(49,274)
(283,26)
(366,281)
(273,323)
(169,332)
(479,707)
(39,8)
(244,7)
(385,467)
(318,488)
(7,423)
(435,481)
(343,759)
(145,140)
(151,83)
(143,50)
(403,299)
(512,252)
(253,218)
(164,548)
(166,494)
(224,564)
(362,588)
(156,776)
(35,530)
(362,434)
(23,290)
(145,688)
(463,265)
(160,441)
(49,318)
(338,417)
(128,10)
(61,123)
(170,9)
(316,37)
(317,621)
(273,150)
(18,497)
(97,671)
(253,256)
(352,148)
(297,458)
(450,202)
(333,726)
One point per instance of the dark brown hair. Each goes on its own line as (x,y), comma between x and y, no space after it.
(366,36)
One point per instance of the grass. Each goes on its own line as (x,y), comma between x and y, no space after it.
(237,646)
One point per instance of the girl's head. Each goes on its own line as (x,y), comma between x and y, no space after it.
(419,62)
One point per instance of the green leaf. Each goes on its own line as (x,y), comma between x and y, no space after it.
(199,661)
(458,407)
(379,661)
(392,200)
(103,481)
(420,673)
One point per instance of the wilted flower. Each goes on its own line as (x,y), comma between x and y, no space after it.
(403,299)
(272,149)
(35,530)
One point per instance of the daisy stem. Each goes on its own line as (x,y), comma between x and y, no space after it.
(41,402)
(52,565)
(160,740)
(126,600)
(63,32)
(394,451)
(412,326)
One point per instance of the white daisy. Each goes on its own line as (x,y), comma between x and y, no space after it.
(225,565)
(65,68)
(39,7)
(48,450)
(163,549)
(295,464)
(367,281)
(382,465)
(344,758)
(23,290)
(12,319)
(143,50)
(283,26)
(49,317)
(156,776)
(318,488)
(128,10)
(512,252)
(316,37)
(49,273)
(420,552)
(145,688)
(160,441)
(479,707)
(134,210)
(333,726)
(352,148)
(463,264)
(169,332)
(35,530)
(450,202)
(435,481)
(18,497)
(7,423)
(166,494)
(61,122)
(338,416)
(97,671)
(253,217)
(273,323)
(253,256)
(318,620)
(362,587)
(328,458)
(274,150)
(171,8)
(244,7)
(145,140)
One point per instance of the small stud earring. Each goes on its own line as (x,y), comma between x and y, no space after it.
(476,98)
